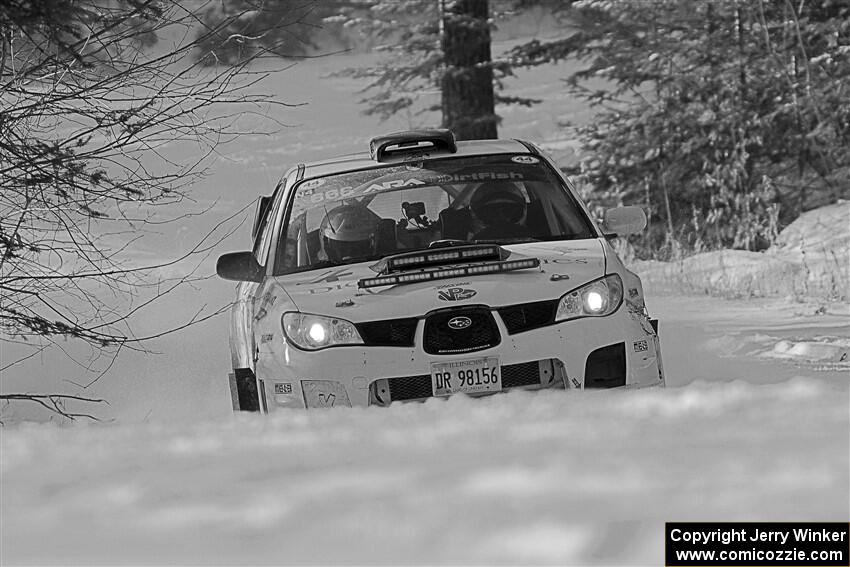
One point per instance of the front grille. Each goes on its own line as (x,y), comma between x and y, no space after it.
(480,333)
(527,316)
(419,387)
(410,387)
(391,332)
(525,374)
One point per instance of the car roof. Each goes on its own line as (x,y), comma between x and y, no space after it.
(363,160)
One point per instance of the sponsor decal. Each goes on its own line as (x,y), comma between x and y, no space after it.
(456,294)
(481,176)
(328,277)
(313,195)
(567,250)
(282,388)
(525,159)
(317,191)
(458,323)
(346,303)
(312,183)
(576,383)
(326,400)
(332,288)
(641,346)
(444,286)
(267,337)
(260,314)
(393,184)
(558,277)
(323,393)
(633,292)
(565,261)
(329,195)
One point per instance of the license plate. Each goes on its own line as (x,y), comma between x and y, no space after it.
(471,376)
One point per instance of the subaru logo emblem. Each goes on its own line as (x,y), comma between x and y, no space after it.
(458,323)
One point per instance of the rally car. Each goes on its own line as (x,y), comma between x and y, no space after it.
(431,268)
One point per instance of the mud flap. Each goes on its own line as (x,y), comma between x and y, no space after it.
(654,323)
(243,390)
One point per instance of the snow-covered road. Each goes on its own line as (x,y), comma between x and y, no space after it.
(748,430)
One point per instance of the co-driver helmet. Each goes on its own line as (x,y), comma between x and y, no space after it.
(497,203)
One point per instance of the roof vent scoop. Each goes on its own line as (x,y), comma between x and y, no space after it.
(388,146)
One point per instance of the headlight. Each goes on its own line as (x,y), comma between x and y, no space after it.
(595,299)
(312,332)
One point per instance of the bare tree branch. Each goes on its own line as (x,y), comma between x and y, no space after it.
(94,96)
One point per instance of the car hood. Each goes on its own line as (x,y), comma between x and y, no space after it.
(334,291)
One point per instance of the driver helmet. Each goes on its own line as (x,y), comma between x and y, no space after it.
(498,203)
(347,232)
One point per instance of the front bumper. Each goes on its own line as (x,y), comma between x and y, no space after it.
(555,356)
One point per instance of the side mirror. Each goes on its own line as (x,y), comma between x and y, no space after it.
(239,266)
(623,221)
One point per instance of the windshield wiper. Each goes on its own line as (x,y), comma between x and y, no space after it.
(515,240)
(448,242)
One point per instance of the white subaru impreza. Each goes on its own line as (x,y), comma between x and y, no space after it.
(430,268)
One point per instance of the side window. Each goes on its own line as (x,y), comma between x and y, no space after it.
(264,232)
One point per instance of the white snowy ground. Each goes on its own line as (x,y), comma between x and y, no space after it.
(751,427)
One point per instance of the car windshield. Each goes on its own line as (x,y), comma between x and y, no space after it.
(368,214)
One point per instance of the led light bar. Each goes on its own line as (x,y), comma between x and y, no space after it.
(424,259)
(429,275)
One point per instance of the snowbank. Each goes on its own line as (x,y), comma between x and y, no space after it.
(523,478)
(809,259)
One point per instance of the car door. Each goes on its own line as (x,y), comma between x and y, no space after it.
(242,345)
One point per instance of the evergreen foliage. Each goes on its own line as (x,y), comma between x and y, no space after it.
(724,119)
(234,31)
(434,46)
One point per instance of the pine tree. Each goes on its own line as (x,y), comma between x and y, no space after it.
(428,46)
(466,82)
(722,118)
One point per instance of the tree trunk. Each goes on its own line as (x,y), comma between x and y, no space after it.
(467,83)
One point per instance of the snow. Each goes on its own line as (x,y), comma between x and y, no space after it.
(747,430)
(810,258)
(754,423)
